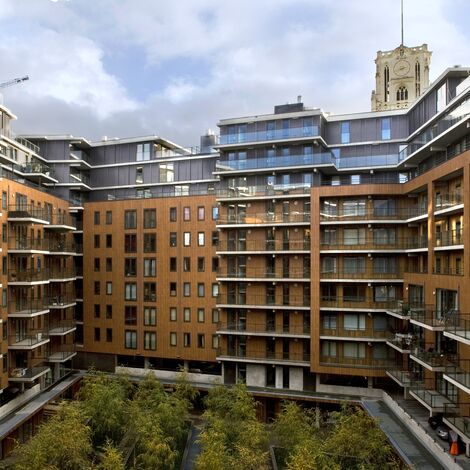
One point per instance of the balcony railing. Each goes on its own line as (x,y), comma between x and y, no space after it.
(448,271)
(27,374)
(460,373)
(403,342)
(263,300)
(275,134)
(27,275)
(435,318)
(269,190)
(263,355)
(61,327)
(28,244)
(407,309)
(27,211)
(27,307)
(63,353)
(264,245)
(458,416)
(427,392)
(28,340)
(346,243)
(449,238)
(58,301)
(291,217)
(253,328)
(35,168)
(365,362)
(459,328)
(263,273)
(405,377)
(435,359)
(342,332)
(448,200)
(59,246)
(365,214)
(61,219)
(361,273)
(62,273)
(356,302)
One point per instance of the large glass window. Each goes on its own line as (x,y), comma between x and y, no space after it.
(345,137)
(353,321)
(167,172)
(150,316)
(150,267)
(150,340)
(143,152)
(386,129)
(354,207)
(150,218)
(130,339)
(356,264)
(130,291)
(354,350)
(130,219)
(354,236)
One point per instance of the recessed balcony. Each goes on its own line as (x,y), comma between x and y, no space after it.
(360,362)
(358,303)
(27,277)
(448,203)
(242,328)
(264,219)
(263,274)
(448,240)
(28,245)
(263,246)
(28,214)
(256,301)
(348,334)
(360,275)
(264,357)
(269,191)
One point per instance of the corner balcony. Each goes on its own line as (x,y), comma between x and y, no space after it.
(64,353)
(27,277)
(264,220)
(62,328)
(358,303)
(448,203)
(29,341)
(37,172)
(264,302)
(27,375)
(404,378)
(433,320)
(242,328)
(27,308)
(361,275)
(434,361)
(401,342)
(403,310)
(448,240)
(457,417)
(347,334)
(459,375)
(62,274)
(425,392)
(28,245)
(61,222)
(28,214)
(459,329)
(360,362)
(264,357)
(263,246)
(262,274)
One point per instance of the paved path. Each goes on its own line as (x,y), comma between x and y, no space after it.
(193,449)
(404,441)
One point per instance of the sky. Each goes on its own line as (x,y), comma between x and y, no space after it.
(174,68)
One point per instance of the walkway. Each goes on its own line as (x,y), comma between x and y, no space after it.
(193,448)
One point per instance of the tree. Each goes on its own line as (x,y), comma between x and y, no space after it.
(111,459)
(62,443)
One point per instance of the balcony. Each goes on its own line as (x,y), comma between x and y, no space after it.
(257,301)
(28,341)
(265,192)
(62,301)
(24,374)
(28,245)
(28,276)
(62,274)
(27,214)
(435,361)
(448,202)
(361,274)
(62,328)
(401,342)
(404,378)
(400,245)
(264,357)
(365,215)
(361,362)
(61,222)
(292,218)
(459,375)
(448,271)
(425,392)
(459,329)
(449,239)
(269,135)
(36,172)
(365,334)
(27,308)
(262,274)
(457,417)
(64,353)
(434,320)
(263,246)
(262,329)
(79,181)
(250,164)
(355,303)
(59,247)
(404,310)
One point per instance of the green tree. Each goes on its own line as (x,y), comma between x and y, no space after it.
(111,458)
(62,443)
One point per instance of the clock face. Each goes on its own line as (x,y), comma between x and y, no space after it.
(402,67)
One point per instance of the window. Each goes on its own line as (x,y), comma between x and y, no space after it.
(97,241)
(109,240)
(441,97)
(150,340)
(5,235)
(215,315)
(130,243)
(187,238)
(96,218)
(384,293)
(385,265)
(139,175)
(402,93)
(353,264)
(215,341)
(182,190)
(109,312)
(109,288)
(150,291)
(384,236)
(150,316)
(215,238)
(167,172)
(200,264)
(354,207)
(328,264)
(109,264)
(200,289)
(328,349)
(201,213)
(201,340)
(215,264)
(215,212)
(201,315)
(130,219)
(354,350)
(130,341)
(130,291)
(130,267)
(109,335)
(186,214)
(173,214)
(97,334)
(345,136)
(173,289)
(4,200)
(173,264)
(173,314)
(150,267)
(150,242)
(215,289)
(354,321)
(186,289)
(150,218)
(109,217)
(97,265)
(187,340)
(97,311)
(143,152)
(186,264)
(329,321)
(97,288)
(186,314)
(354,236)
(385,207)
(173,337)
(200,239)
(385,129)
(173,239)
(130,315)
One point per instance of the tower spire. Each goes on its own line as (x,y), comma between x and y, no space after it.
(402,42)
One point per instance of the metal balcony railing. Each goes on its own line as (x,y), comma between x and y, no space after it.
(363,362)
(435,359)
(447,200)
(263,300)
(263,273)
(449,238)
(356,302)
(274,134)
(27,211)
(458,416)
(342,332)
(364,213)
(57,301)
(61,273)
(264,245)
(27,306)
(27,275)
(341,243)
(428,392)
(263,355)
(59,246)
(435,318)
(253,328)
(61,353)
(264,218)
(361,273)
(28,244)
(242,192)
(61,219)
(61,327)
(405,377)
(28,340)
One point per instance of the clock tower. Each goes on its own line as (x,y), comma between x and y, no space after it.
(401,76)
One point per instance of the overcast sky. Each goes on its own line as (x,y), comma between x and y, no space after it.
(174,68)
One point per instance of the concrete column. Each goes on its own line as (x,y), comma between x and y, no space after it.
(296,378)
(278,377)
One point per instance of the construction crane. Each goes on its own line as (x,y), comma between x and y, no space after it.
(13,82)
